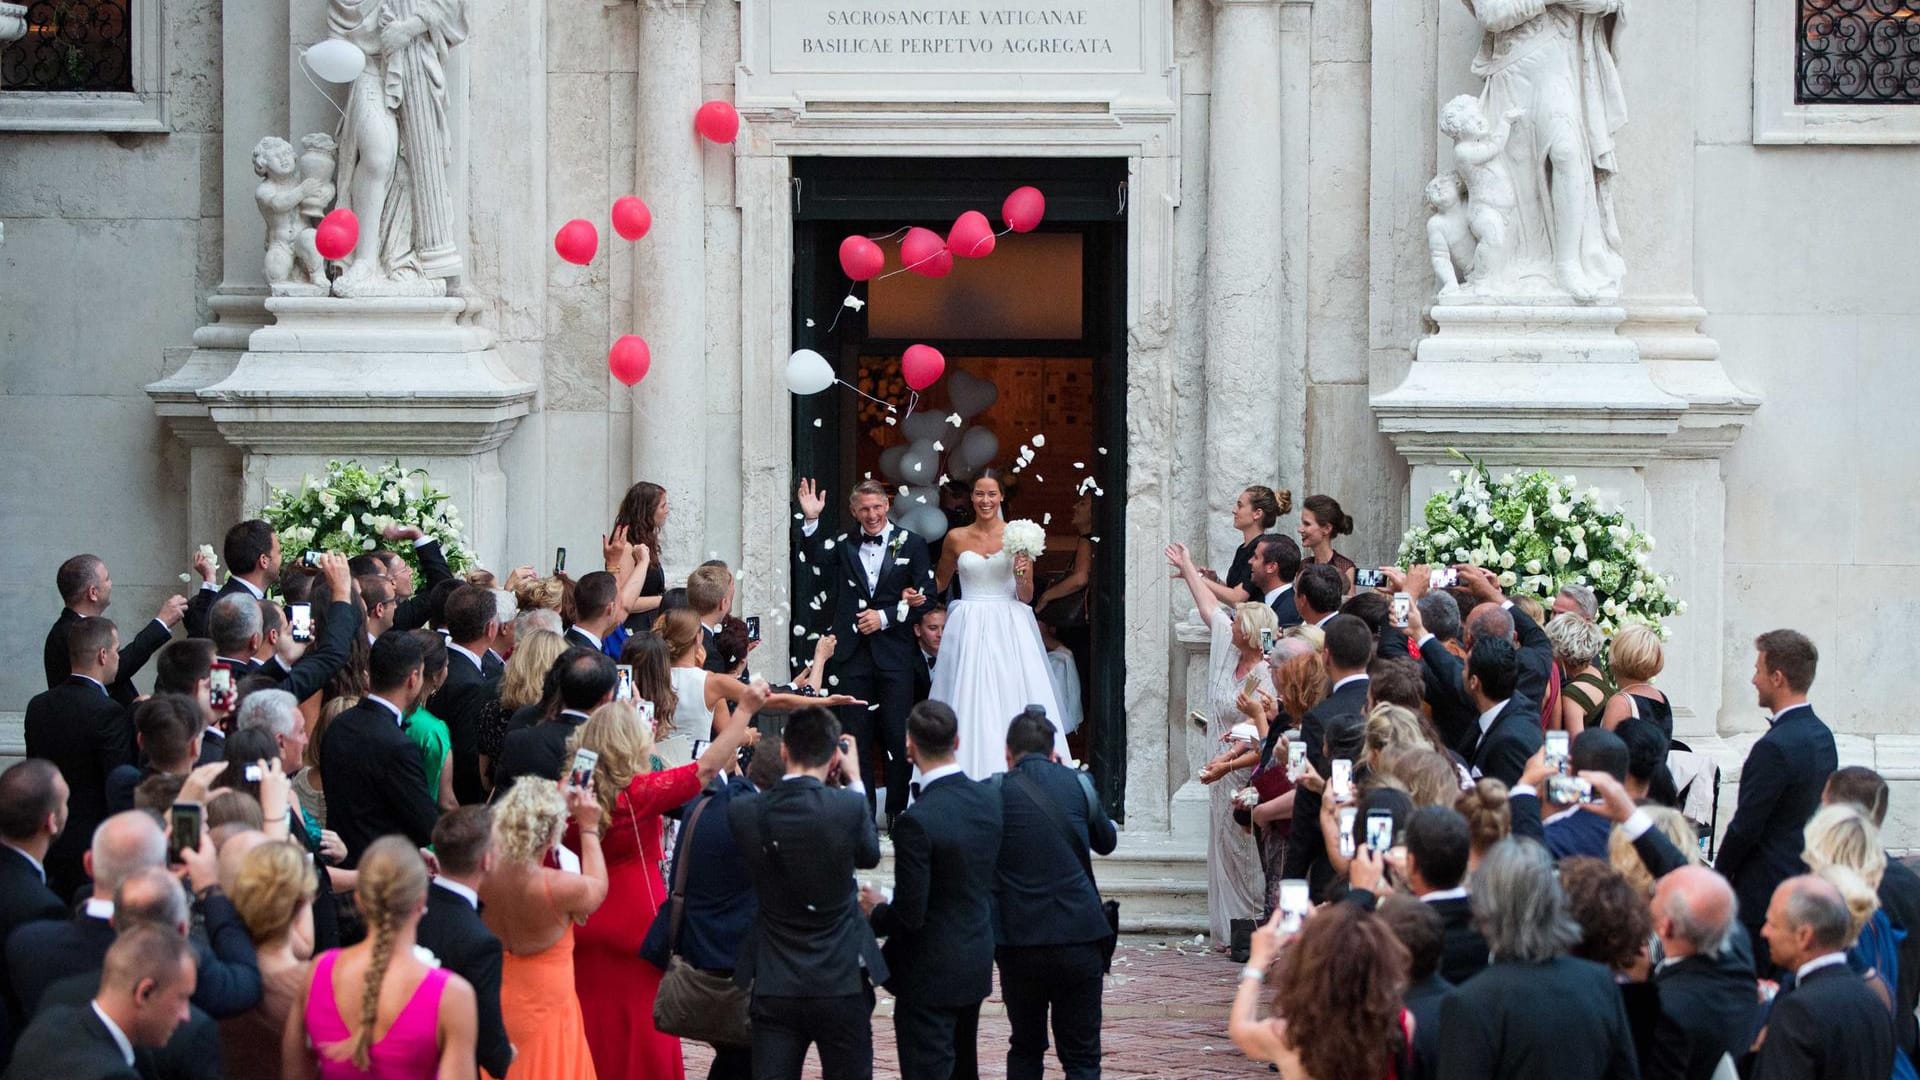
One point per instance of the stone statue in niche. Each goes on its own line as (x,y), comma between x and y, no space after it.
(1449,232)
(1548,65)
(287,187)
(1478,164)
(395,145)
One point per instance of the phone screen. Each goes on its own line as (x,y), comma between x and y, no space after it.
(1364,578)
(1380,829)
(1401,609)
(583,762)
(1342,782)
(623,682)
(220,686)
(1347,816)
(1295,902)
(185,818)
(1557,749)
(753,628)
(559,561)
(700,747)
(1443,577)
(300,618)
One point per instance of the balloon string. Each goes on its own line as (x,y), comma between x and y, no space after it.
(891,235)
(304,70)
(891,407)
(843,308)
(941,251)
(913,400)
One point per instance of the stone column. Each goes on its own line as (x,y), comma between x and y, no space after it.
(669,276)
(1254,390)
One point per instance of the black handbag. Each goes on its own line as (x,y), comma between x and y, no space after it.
(1109,908)
(692,1003)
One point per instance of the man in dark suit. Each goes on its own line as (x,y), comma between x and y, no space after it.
(33,810)
(185,667)
(1830,1025)
(1899,894)
(451,929)
(376,784)
(235,626)
(1535,1011)
(1438,846)
(1431,624)
(927,634)
(1707,1003)
(587,679)
(326,655)
(39,953)
(252,552)
(881,576)
(471,620)
(410,606)
(85,734)
(810,959)
(145,988)
(1509,722)
(939,922)
(710,598)
(596,597)
(1050,933)
(1312,588)
(1275,565)
(1780,783)
(166,730)
(1349,649)
(1419,928)
(87,589)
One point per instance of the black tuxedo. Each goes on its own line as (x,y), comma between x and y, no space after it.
(809,956)
(324,657)
(451,929)
(40,954)
(1831,1026)
(411,613)
(69,1042)
(133,655)
(213,747)
(1454,713)
(878,668)
(86,735)
(200,605)
(577,637)
(192,1053)
(1049,930)
(1306,848)
(376,784)
(1563,1018)
(24,898)
(1707,1009)
(939,925)
(1285,610)
(1780,789)
(1463,952)
(540,750)
(922,676)
(491,666)
(459,703)
(1513,738)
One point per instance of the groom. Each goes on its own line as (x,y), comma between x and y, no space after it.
(880,575)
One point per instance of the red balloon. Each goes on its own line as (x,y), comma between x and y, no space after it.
(337,234)
(861,258)
(922,365)
(971,236)
(717,121)
(631,218)
(1024,208)
(576,241)
(925,253)
(629,359)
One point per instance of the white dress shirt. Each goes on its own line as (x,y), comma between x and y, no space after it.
(940,773)
(468,653)
(1817,963)
(388,705)
(1277,593)
(872,557)
(588,634)
(472,898)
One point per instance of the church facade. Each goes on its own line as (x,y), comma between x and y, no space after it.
(1238,210)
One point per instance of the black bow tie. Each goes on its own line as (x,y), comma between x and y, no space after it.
(865,539)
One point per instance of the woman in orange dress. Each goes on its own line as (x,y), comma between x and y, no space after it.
(532,909)
(616,987)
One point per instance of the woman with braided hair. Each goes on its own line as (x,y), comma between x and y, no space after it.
(409,1021)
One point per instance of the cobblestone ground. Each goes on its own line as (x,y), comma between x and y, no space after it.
(1165,1017)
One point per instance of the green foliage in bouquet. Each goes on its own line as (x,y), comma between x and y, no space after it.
(1539,533)
(348,510)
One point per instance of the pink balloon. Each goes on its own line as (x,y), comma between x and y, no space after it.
(631,218)
(922,365)
(629,359)
(1024,208)
(577,241)
(925,253)
(337,234)
(971,236)
(861,258)
(718,121)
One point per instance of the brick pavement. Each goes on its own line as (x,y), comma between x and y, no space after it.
(1165,1017)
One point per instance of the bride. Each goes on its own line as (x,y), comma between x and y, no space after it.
(992,664)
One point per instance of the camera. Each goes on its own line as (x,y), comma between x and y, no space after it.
(251,773)
(1380,830)
(300,620)
(1340,786)
(310,560)
(1569,790)
(1295,902)
(1400,610)
(1364,578)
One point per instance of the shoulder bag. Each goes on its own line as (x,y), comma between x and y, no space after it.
(692,1003)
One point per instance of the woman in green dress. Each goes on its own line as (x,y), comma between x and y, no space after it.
(428,731)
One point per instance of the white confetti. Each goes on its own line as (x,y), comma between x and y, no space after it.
(943,480)
(1102,450)
(873,708)
(1039,440)
(1046,519)
(833,680)
(798,630)
(817,421)
(853,302)
(890,420)
(809,322)
(1077,464)
(1038,479)
(954,419)
(938,448)
(1095,539)
(828,545)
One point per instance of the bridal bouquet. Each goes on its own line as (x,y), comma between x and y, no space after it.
(347,510)
(1538,534)
(1023,537)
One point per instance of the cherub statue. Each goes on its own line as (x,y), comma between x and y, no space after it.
(279,196)
(1449,233)
(1477,151)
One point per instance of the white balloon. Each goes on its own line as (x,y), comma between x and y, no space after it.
(970,394)
(926,426)
(808,372)
(890,462)
(336,60)
(977,447)
(925,521)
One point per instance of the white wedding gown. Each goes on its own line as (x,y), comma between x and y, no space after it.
(992,665)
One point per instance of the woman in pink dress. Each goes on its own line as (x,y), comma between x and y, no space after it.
(410,1021)
(616,987)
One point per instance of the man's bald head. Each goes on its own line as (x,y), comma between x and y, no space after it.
(1807,918)
(1489,621)
(1694,909)
(234,852)
(122,844)
(150,897)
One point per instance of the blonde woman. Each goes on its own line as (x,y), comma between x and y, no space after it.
(1585,692)
(409,1021)
(533,909)
(616,987)
(1636,657)
(1489,818)
(1843,846)
(273,892)
(520,685)
(1237,673)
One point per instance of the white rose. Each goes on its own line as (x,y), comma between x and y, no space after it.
(1507,560)
(1533,566)
(1578,532)
(347,527)
(1459,554)
(366,518)
(1453,475)
(1561,511)
(327,500)
(1482,518)
(1680,608)
(1639,558)
(367,544)
(1647,542)
(1597,567)
(1508,579)
(1638,590)
(1579,551)
(1561,556)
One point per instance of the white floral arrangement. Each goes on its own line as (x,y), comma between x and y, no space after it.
(1024,537)
(1540,533)
(347,511)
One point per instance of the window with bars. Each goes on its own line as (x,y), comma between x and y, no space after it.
(72,45)
(1858,52)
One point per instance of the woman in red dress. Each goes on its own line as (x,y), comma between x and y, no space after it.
(616,988)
